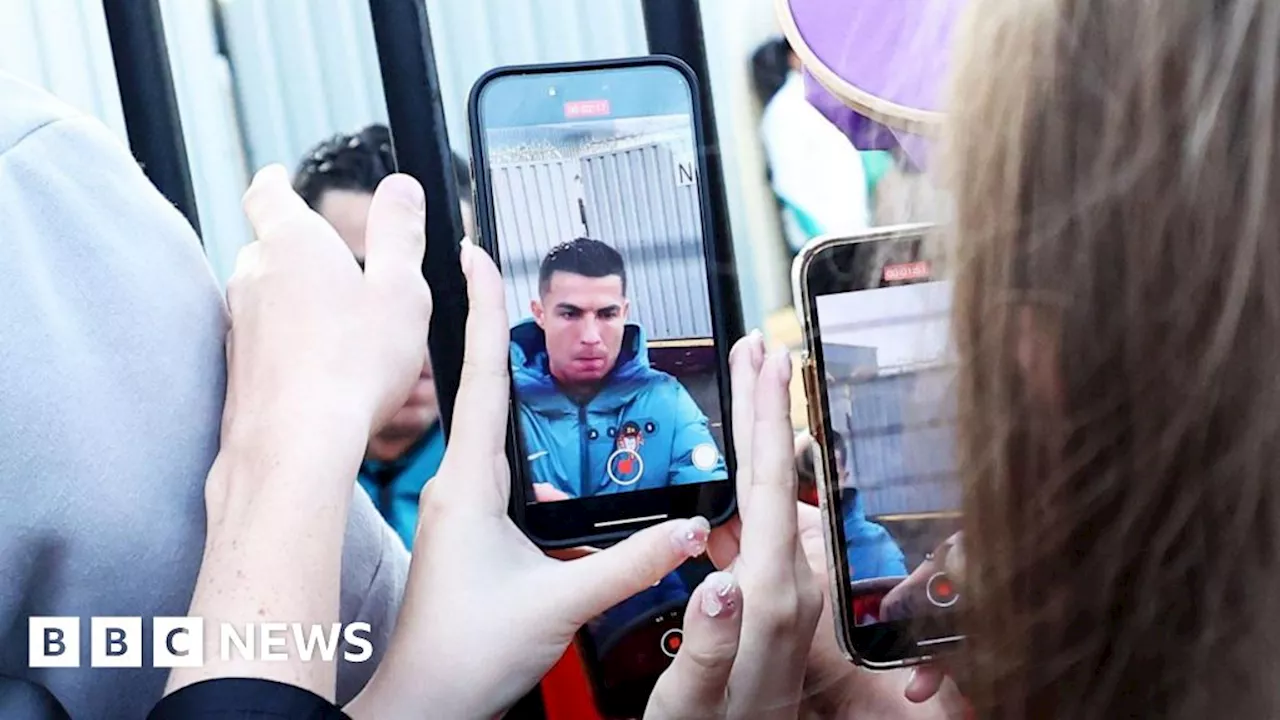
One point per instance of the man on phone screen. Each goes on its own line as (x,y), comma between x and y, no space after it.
(597,419)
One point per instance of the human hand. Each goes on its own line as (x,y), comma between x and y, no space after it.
(781,601)
(837,688)
(546,492)
(316,352)
(486,613)
(695,685)
(313,339)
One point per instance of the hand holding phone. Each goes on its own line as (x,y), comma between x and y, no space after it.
(591,197)
(486,613)
(878,375)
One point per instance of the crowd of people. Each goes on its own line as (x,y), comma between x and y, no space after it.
(171,450)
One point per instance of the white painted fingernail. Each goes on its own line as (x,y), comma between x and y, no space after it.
(720,597)
(691,537)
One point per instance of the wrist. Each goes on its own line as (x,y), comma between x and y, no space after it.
(315,454)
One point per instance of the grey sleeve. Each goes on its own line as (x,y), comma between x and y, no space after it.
(375,567)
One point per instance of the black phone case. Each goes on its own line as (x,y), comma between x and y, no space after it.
(726,316)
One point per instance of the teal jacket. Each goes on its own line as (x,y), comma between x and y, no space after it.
(642,431)
(394,486)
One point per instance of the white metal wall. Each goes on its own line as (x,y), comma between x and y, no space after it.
(630,200)
(305,69)
(62,46)
(635,204)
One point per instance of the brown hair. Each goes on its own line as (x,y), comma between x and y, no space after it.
(1117,321)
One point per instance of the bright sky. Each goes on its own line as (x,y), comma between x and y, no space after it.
(907,324)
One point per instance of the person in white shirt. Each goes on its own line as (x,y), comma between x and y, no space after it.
(815,172)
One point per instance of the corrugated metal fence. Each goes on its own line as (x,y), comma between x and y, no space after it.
(902,456)
(630,198)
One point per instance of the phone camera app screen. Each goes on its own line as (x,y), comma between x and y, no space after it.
(890,397)
(599,226)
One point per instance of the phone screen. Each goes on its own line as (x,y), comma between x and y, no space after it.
(888,405)
(627,648)
(596,218)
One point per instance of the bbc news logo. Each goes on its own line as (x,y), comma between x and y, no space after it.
(907,271)
(55,642)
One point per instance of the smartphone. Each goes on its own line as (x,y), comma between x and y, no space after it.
(592,199)
(626,649)
(878,376)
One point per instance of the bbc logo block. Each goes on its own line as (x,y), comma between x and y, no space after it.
(177,642)
(117,642)
(55,642)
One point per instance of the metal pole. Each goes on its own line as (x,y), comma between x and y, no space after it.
(421,143)
(674,27)
(147,97)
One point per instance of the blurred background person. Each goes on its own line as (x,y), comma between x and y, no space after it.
(337,179)
(817,175)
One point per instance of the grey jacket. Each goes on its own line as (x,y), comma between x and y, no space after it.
(112,378)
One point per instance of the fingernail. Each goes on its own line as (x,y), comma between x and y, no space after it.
(720,598)
(407,190)
(274,171)
(691,537)
(781,359)
(757,349)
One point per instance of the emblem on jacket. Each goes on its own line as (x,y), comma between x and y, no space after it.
(625,466)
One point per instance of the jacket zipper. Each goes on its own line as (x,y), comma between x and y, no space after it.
(582,444)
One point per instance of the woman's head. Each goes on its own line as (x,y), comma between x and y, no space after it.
(1117,317)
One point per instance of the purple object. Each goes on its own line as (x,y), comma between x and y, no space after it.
(875,68)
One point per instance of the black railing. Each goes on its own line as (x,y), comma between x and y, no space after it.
(148,100)
(421,141)
(674,27)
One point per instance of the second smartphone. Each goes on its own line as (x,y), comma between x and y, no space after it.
(591,196)
(879,379)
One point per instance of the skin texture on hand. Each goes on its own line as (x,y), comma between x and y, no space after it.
(318,354)
(486,613)
(781,600)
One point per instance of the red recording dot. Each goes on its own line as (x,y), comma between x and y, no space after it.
(671,641)
(943,589)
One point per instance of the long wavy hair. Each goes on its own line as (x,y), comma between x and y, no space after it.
(1117,321)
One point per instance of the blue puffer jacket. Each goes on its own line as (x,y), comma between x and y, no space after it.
(871,550)
(640,432)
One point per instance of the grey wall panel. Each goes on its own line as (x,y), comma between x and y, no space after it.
(902,459)
(537,209)
(633,203)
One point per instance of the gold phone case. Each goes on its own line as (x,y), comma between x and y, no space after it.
(814,388)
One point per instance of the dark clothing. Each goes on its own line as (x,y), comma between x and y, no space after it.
(245,699)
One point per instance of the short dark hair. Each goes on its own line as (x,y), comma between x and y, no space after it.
(770,65)
(583,256)
(838,445)
(358,162)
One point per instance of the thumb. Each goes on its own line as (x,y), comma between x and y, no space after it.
(396,233)
(593,584)
(925,682)
(696,684)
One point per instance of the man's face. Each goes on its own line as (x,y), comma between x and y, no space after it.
(348,212)
(419,412)
(844,477)
(584,319)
